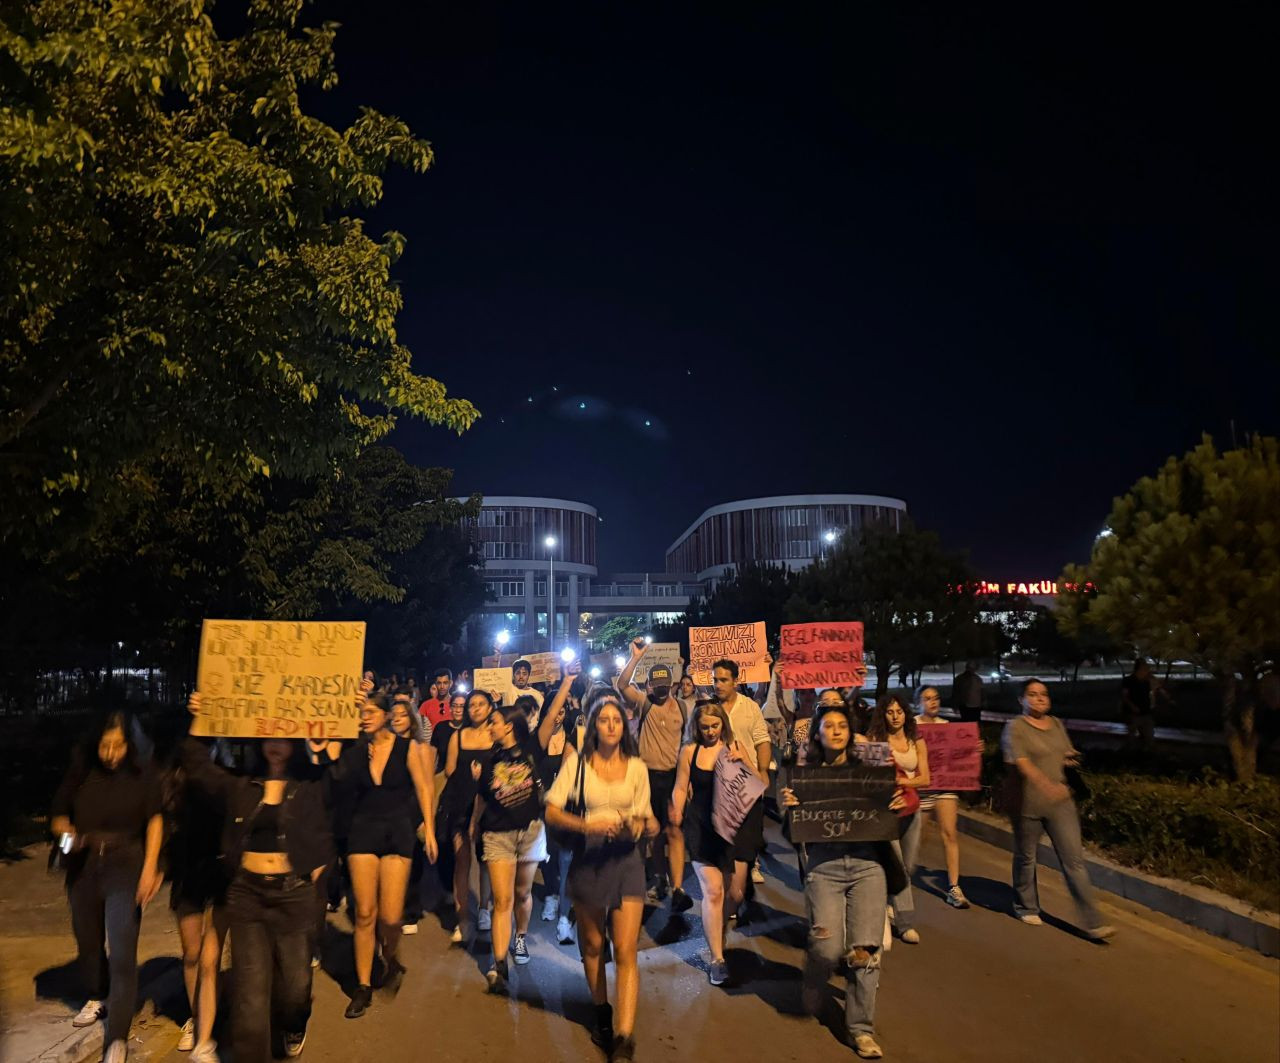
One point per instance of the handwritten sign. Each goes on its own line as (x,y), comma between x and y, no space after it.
(497,681)
(816,656)
(743,644)
(667,653)
(736,789)
(847,803)
(543,667)
(955,757)
(279,678)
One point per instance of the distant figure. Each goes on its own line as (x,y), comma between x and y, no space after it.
(1137,706)
(966,694)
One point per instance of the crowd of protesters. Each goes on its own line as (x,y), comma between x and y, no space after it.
(606,790)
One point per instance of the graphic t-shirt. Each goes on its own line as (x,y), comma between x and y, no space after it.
(509,787)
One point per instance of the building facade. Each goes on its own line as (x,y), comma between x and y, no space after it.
(511,534)
(794,530)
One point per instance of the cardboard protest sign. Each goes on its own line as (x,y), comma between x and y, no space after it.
(815,656)
(667,653)
(955,759)
(845,803)
(497,681)
(735,790)
(499,660)
(543,667)
(279,678)
(742,643)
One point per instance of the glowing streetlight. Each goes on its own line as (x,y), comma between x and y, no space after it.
(503,638)
(828,538)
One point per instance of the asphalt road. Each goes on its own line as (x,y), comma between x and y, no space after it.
(980,986)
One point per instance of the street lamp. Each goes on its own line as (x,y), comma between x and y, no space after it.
(550,543)
(828,537)
(499,641)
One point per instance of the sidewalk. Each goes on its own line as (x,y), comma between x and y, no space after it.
(39,987)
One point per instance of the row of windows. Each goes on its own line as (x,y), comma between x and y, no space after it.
(514,588)
(520,533)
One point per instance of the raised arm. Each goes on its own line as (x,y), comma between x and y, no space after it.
(627,688)
(554,713)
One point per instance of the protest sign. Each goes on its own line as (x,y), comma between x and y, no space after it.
(816,656)
(667,653)
(847,803)
(742,643)
(279,678)
(497,681)
(499,660)
(543,667)
(955,758)
(735,790)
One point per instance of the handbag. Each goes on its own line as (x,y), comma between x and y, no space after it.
(573,840)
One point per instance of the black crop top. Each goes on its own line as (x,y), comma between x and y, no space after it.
(264,832)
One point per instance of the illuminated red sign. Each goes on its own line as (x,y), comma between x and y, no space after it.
(1030,589)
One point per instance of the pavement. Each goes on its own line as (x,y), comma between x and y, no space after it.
(980,986)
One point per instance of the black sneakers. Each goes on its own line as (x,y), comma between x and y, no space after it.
(680,901)
(360,1001)
(602,1035)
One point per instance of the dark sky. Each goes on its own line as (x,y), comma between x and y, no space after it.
(999,267)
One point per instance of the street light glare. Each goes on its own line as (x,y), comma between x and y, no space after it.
(830,536)
(549,542)
(503,638)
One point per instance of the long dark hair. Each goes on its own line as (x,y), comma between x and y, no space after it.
(628,747)
(109,720)
(813,749)
(516,715)
(297,767)
(878,730)
(466,710)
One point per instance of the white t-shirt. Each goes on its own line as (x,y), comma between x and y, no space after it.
(509,698)
(747,722)
(628,796)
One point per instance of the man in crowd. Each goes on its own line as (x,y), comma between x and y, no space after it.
(1138,694)
(435,710)
(520,673)
(660,721)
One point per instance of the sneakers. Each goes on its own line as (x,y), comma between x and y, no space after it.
(718,972)
(757,876)
(602,1032)
(92,1011)
(520,950)
(456,937)
(1031,919)
(360,1001)
(680,901)
(205,1053)
(393,979)
(409,929)
(865,1045)
(625,1049)
(497,977)
(117,1052)
(484,921)
(187,1038)
(550,909)
(1101,933)
(293,1043)
(315,960)
(564,931)
(956,898)
(911,936)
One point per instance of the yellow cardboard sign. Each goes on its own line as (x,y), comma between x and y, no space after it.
(280,678)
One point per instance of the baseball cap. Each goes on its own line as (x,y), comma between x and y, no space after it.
(660,673)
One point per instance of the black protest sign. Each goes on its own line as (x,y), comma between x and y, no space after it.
(843,803)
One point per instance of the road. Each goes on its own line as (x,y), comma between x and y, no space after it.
(980,986)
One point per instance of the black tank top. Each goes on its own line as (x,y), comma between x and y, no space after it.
(703,781)
(394,796)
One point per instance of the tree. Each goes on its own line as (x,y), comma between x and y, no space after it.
(912,597)
(186,292)
(618,631)
(1189,569)
(756,591)
(1074,637)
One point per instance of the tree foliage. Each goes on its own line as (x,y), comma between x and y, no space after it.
(617,632)
(911,595)
(1189,569)
(187,292)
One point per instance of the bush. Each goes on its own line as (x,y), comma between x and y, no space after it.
(1208,831)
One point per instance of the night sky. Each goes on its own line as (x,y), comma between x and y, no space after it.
(997,267)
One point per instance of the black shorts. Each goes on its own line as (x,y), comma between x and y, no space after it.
(194,891)
(381,836)
(661,784)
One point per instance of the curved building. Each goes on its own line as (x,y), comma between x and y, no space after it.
(791,529)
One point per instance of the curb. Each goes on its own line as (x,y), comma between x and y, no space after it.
(1206,909)
(85,1045)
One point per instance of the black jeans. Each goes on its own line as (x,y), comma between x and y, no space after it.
(102,887)
(272,920)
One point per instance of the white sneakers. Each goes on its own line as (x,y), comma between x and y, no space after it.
(1031,920)
(409,929)
(564,931)
(865,1045)
(911,936)
(205,1053)
(117,1052)
(484,920)
(187,1038)
(550,908)
(92,1011)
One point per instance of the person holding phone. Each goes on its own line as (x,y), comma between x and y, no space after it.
(106,817)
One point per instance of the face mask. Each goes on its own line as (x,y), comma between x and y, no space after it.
(660,693)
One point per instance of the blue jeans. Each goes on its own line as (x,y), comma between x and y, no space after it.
(845,898)
(1063,826)
(908,849)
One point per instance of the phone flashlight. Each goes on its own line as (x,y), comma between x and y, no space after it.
(568,654)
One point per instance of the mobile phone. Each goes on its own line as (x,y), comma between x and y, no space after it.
(66,841)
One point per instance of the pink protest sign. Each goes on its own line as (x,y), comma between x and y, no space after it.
(955,757)
(814,656)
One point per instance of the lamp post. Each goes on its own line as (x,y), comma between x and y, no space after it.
(828,537)
(550,543)
(499,641)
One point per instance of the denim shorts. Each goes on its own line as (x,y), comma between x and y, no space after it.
(525,846)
